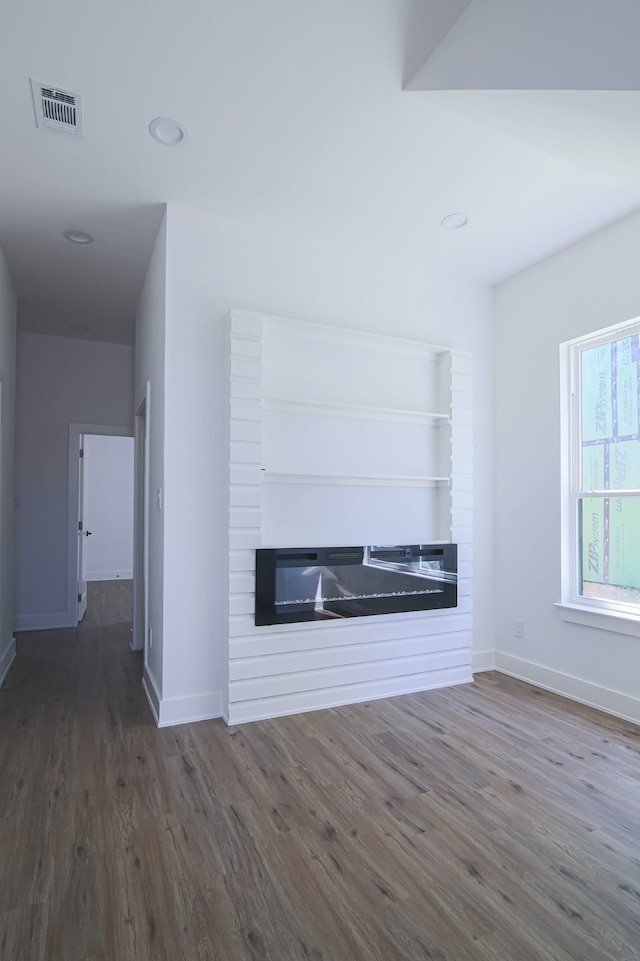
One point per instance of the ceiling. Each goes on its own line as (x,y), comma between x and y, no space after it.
(363,117)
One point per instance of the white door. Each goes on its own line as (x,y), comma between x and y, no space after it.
(83,533)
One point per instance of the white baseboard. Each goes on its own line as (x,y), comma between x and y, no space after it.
(7,660)
(185,710)
(110,576)
(483,661)
(170,711)
(585,692)
(41,622)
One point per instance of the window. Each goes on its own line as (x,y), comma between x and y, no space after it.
(601,550)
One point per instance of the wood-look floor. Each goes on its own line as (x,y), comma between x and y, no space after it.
(108,602)
(492,822)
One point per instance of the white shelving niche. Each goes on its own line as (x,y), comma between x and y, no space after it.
(356,437)
(343,437)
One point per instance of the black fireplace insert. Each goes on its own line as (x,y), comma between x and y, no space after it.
(324,583)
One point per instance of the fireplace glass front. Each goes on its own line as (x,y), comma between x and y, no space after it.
(324,583)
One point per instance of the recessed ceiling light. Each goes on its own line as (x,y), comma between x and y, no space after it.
(77,236)
(454,221)
(80,328)
(168,132)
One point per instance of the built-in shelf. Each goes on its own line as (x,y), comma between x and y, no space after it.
(364,480)
(331,409)
(349,337)
(363,459)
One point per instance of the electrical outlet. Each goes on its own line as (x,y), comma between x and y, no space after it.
(518,628)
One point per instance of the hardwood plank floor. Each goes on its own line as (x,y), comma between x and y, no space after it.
(488,822)
(108,602)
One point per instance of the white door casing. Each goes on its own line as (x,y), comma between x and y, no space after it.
(140,638)
(81,585)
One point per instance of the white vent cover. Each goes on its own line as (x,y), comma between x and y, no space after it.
(57,109)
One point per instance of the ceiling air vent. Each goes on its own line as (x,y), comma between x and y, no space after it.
(56,109)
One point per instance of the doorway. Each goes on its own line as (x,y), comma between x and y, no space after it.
(107,538)
(98,497)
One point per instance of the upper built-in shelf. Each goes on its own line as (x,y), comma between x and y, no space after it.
(331,409)
(347,337)
(354,480)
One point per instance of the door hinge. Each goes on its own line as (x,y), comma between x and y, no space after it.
(79,598)
(80,525)
(81,452)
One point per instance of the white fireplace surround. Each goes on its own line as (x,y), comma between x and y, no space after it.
(343,437)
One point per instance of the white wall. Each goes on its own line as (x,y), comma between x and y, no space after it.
(108,503)
(149,370)
(591,285)
(7,409)
(377,284)
(60,381)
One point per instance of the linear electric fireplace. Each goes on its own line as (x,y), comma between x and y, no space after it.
(322,583)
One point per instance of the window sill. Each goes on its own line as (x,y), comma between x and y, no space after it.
(601,620)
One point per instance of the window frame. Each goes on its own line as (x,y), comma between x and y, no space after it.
(574,606)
